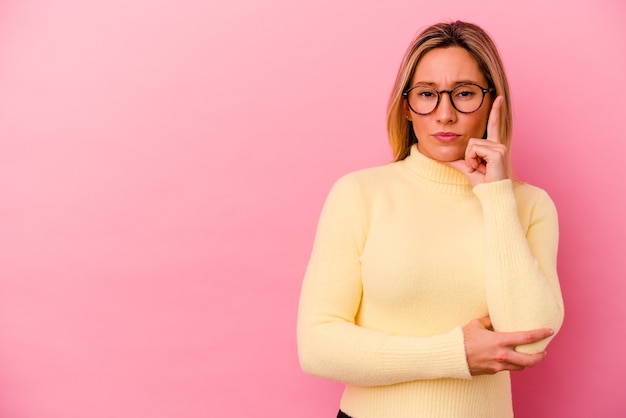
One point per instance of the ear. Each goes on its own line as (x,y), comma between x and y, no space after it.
(406,110)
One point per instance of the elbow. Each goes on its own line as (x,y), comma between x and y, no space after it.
(558,321)
(307,362)
(315,357)
(553,322)
(308,355)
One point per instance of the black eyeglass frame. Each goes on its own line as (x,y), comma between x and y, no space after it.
(406,92)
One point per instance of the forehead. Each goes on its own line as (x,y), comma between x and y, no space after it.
(447,66)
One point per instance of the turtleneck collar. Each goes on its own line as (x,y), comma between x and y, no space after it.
(436,174)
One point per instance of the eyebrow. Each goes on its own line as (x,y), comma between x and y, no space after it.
(456,83)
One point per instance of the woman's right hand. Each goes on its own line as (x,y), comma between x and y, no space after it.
(490,352)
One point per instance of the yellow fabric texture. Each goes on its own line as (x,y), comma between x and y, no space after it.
(404,256)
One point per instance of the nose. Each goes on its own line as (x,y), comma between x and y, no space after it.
(445,112)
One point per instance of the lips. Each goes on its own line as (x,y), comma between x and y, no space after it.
(446,136)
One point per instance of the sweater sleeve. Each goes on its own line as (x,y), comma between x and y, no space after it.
(522,286)
(330,344)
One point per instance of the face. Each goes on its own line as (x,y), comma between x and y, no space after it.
(443,134)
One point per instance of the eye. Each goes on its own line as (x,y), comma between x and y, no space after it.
(464,94)
(467,92)
(425,94)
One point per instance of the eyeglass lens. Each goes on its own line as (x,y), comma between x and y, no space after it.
(466,98)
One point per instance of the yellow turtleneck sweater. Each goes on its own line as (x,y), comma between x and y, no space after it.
(405,255)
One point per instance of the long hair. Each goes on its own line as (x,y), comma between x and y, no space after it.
(443,35)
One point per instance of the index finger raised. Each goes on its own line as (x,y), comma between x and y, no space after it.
(493,124)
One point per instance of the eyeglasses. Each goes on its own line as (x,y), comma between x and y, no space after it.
(466,98)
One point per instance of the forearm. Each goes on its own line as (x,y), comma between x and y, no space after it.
(338,350)
(521,282)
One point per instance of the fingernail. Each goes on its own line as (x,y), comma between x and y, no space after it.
(551,332)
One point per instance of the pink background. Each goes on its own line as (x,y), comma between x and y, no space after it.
(163,164)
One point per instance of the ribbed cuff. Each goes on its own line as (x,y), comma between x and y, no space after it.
(440,356)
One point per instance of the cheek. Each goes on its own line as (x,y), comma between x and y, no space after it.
(419,125)
(479,126)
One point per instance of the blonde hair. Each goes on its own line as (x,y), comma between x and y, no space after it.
(443,35)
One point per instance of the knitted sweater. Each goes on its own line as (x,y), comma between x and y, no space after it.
(405,255)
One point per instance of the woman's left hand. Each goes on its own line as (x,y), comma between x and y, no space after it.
(485,159)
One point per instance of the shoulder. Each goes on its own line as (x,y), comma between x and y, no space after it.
(359,188)
(368,178)
(533,199)
(528,192)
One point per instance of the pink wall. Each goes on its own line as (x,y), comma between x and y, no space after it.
(163,164)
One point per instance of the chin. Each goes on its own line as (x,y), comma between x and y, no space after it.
(445,154)
(446,157)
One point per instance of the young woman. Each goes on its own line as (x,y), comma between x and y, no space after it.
(432,277)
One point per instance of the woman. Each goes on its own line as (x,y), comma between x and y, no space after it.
(431,278)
